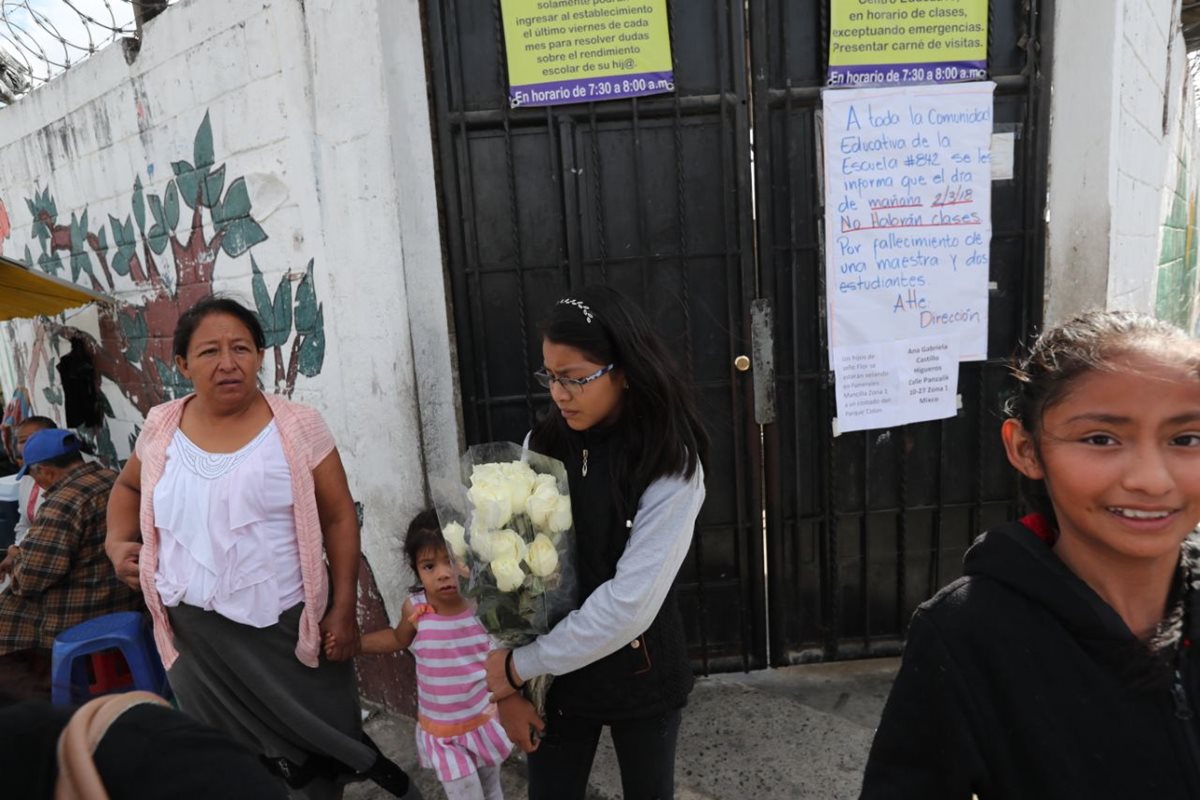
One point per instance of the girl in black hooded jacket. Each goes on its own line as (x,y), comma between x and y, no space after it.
(1059,665)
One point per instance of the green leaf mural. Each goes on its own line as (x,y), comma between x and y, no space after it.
(312,349)
(236,204)
(210,193)
(125,243)
(262,298)
(188,180)
(139,204)
(143,246)
(172,381)
(172,206)
(159,234)
(241,235)
(202,147)
(276,315)
(306,303)
(136,333)
(232,215)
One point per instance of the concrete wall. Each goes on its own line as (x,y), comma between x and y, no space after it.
(1122,161)
(278,150)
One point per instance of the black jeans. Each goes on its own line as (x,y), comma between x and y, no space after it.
(559,768)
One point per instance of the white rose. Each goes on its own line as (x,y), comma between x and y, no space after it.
(493,505)
(518,480)
(541,505)
(456,539)
(507,544)
(482,542)
(542,558)
(545,480)
(560,517)
(509,575)
(485,473)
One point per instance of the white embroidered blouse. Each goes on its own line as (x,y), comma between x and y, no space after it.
(227,530)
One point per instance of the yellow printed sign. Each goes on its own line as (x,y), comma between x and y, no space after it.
(576,51)
(899,42)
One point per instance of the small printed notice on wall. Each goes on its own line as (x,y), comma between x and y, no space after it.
(898,42)
(894,383)
(908,233)
(577,51)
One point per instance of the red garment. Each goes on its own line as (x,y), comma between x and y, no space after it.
(1040,527)
(33,498)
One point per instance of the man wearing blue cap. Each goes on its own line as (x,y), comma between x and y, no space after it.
(60,573)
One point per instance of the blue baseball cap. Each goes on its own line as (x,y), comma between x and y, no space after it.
(47,444)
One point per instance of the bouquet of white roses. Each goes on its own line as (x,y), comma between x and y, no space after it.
(508,525)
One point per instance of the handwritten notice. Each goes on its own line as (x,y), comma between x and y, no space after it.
(576,51)
(885,384)
(908,214)
(899,42)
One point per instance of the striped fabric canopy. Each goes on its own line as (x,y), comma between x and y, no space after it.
(24,293)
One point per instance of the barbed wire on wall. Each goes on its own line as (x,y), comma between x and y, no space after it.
(41,38)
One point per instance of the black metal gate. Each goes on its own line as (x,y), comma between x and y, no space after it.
(660,198)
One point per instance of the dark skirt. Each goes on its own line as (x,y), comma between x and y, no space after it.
(248,682)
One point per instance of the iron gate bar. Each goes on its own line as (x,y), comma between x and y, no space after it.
(745,439)
(650,106)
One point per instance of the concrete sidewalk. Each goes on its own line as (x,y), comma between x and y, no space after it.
(799,733)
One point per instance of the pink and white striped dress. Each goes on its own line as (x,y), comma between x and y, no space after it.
(457,728)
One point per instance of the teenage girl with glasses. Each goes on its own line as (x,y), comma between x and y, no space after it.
(625,424)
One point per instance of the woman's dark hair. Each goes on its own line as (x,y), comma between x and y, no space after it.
(1061,355)
(189,320)
(424,533)
(662,433)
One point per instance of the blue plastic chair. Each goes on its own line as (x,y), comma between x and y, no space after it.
(126,631)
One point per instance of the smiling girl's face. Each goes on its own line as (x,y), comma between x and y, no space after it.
(1120,456)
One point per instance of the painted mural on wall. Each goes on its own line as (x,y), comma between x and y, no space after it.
(164,251)
(1175,299)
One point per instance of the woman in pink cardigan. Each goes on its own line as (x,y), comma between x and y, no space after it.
(224,517)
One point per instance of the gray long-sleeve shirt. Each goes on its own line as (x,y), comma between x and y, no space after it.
(622,608)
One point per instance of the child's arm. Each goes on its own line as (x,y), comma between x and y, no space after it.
(388,640)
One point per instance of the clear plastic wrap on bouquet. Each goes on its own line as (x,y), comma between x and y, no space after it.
(508,525)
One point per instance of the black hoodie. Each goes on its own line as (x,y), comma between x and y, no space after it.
(1018,682)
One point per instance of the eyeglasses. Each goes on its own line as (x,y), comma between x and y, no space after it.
(574,386)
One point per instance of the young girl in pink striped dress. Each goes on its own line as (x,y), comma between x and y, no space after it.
(458,734)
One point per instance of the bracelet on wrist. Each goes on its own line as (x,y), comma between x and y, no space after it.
(508,671)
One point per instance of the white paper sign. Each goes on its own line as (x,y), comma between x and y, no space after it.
(1004,154)
(867,387)
(908,214)
(928,370)
(884,384)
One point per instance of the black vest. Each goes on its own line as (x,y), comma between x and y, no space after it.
(650,675)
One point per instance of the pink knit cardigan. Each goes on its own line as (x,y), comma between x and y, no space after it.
(306,442)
